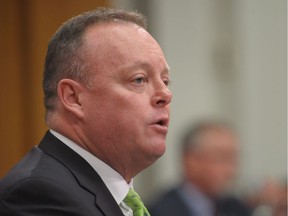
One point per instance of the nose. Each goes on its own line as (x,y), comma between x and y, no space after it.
(162,97)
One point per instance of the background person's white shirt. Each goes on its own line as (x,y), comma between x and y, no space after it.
(116,184)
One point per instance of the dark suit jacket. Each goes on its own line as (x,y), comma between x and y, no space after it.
(172,204)
(54,180)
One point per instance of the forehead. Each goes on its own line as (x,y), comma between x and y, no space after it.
(108,32)
(118,44)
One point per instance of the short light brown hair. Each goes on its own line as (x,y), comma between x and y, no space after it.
(63,58)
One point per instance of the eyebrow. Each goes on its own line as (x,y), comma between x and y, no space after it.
(146,66)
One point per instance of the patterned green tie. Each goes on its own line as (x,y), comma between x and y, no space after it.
(134,201)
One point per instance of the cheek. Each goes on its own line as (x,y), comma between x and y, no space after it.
(118,109)
(130,109)
(124,99)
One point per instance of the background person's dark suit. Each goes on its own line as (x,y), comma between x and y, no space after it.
(54,180)
(173,204)
(209,160)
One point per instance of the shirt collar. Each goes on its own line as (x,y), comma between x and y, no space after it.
(116,184)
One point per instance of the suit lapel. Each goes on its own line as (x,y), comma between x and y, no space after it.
(83,172)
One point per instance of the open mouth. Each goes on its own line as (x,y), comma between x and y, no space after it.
(162,122)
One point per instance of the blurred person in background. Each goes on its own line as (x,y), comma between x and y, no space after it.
(209,157)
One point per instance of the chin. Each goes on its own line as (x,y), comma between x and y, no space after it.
(158,149)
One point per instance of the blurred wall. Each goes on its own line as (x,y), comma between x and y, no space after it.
(26,27)
(228,61)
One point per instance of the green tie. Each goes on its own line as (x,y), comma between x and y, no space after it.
(134,201)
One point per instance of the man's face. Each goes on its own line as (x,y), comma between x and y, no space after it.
(214,164)
(127,110)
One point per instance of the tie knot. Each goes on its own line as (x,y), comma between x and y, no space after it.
(134,201)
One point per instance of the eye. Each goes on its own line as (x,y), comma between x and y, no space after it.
(167,82)
(139,80)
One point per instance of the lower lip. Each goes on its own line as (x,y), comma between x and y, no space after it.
(160,128)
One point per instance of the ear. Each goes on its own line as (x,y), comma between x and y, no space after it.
(69,93)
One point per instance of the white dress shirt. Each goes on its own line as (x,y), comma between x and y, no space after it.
(116,184)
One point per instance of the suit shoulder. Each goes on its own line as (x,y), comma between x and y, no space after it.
(35,165)
(167,197)
(169,204)
(35,194)
(232,205)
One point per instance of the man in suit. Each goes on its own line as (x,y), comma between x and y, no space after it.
(209,158)
(107,106)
